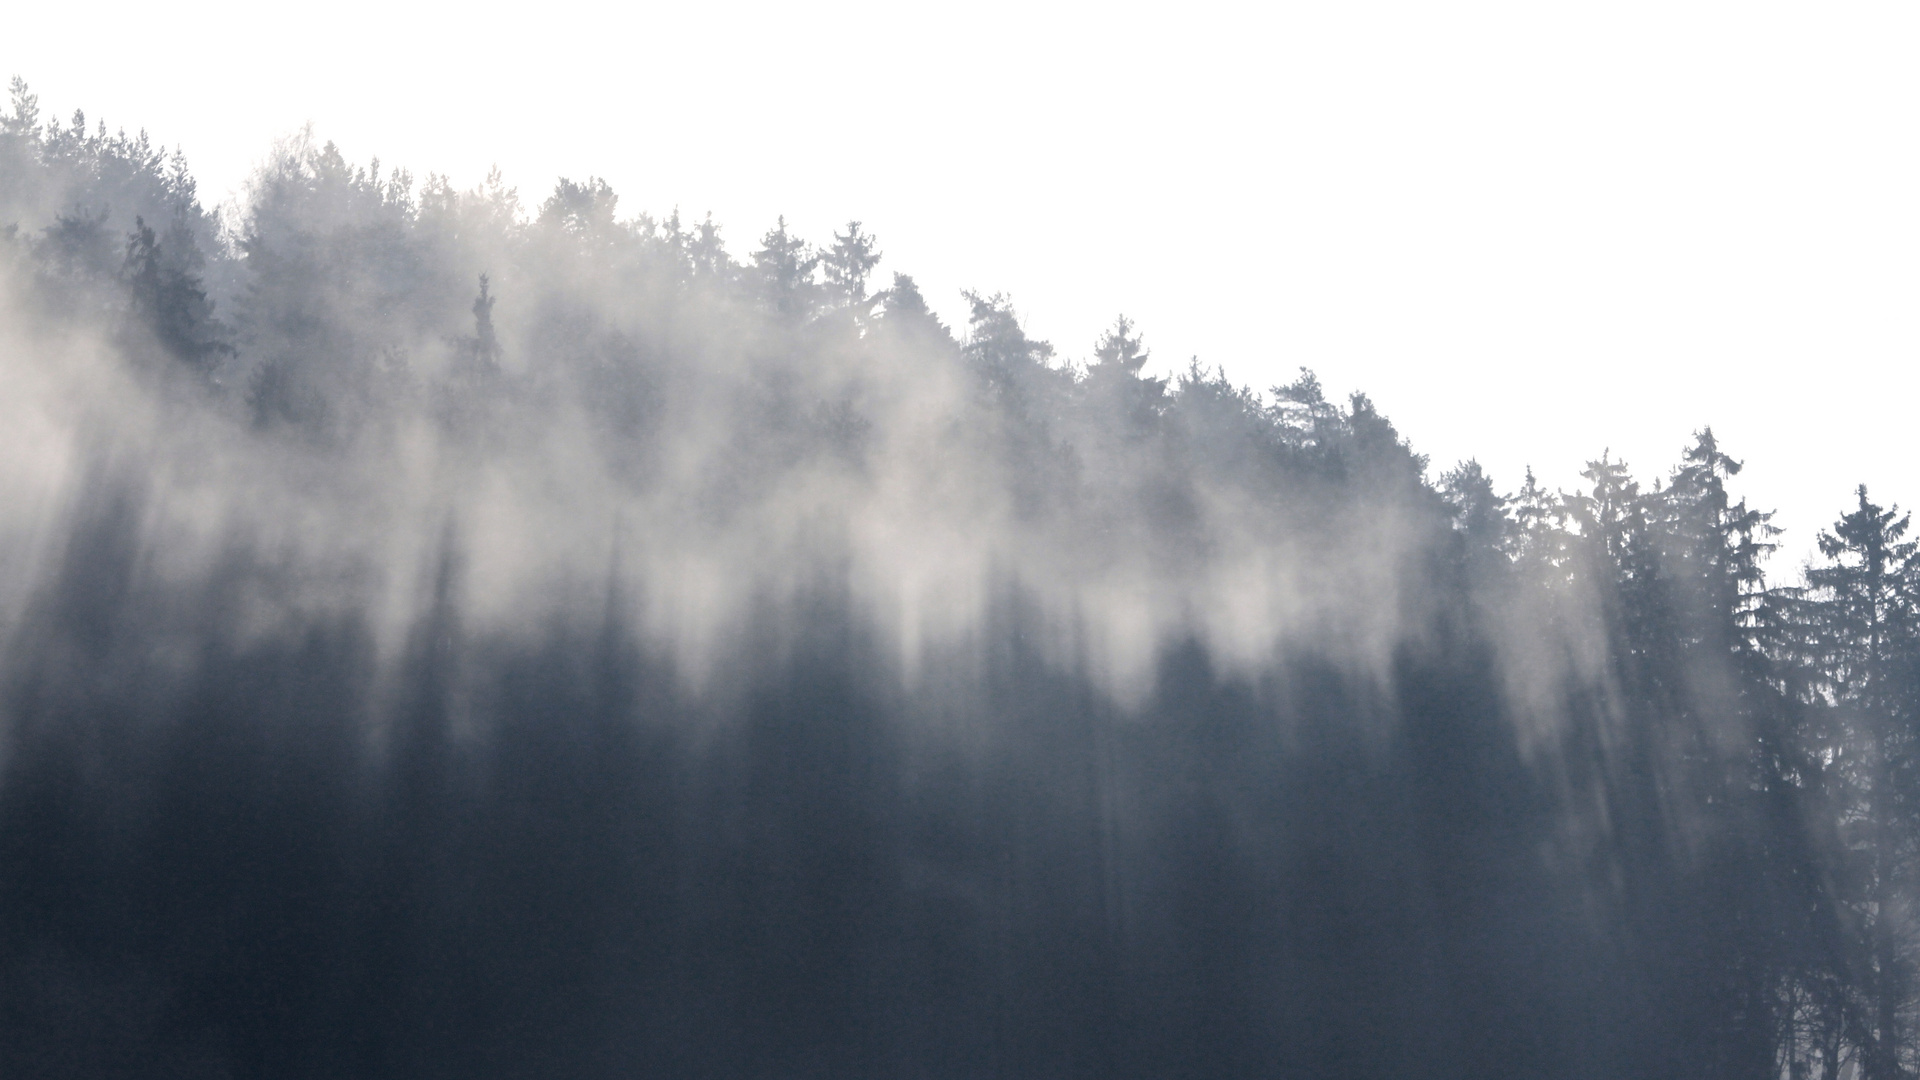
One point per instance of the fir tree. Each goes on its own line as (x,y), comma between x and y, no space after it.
(783,269)
(848,263)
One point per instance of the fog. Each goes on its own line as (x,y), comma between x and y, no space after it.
(1528,234)
(453,633)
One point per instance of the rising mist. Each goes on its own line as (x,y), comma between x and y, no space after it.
(445,638)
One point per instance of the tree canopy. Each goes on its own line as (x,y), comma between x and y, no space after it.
(459,641)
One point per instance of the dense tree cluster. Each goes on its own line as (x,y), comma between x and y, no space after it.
(1415,778)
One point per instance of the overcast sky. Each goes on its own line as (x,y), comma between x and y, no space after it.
(1529,231)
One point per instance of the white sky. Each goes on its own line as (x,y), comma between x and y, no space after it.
(1530,231)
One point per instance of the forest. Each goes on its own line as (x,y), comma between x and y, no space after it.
(447,637)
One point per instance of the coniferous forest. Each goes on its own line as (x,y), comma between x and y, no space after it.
(447,636)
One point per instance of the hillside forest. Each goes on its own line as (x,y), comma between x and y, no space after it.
(443,635)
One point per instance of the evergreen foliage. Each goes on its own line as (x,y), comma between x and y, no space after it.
(1551,784)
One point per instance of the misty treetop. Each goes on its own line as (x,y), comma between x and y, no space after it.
(443,637)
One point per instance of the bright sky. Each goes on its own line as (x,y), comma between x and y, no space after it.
(1530,231)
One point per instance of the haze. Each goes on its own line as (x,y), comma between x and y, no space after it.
(1530,234)
(452,631)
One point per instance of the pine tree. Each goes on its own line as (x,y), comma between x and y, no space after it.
(1713,550)
(167,299)
(23,121)
(905,314)
(1536,538)
(1868,610)
(1859,629)
(486,347)
(1479,512)
(997,344)
(583,210)
(1303,415)
(1119,350)
(707,253)
(848,263)
(1123,402)
(783,269)
(1610,514)
(78,248)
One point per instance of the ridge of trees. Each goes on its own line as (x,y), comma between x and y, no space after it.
(1755,746)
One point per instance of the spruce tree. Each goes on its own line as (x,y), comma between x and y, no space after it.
(783,270)
(848,263)
(1860,626)
(167,299)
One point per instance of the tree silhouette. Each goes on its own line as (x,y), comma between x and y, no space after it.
(757,677)
(848,263)
(166,297)
(783,267)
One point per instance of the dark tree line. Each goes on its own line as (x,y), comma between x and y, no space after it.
(1531,784)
